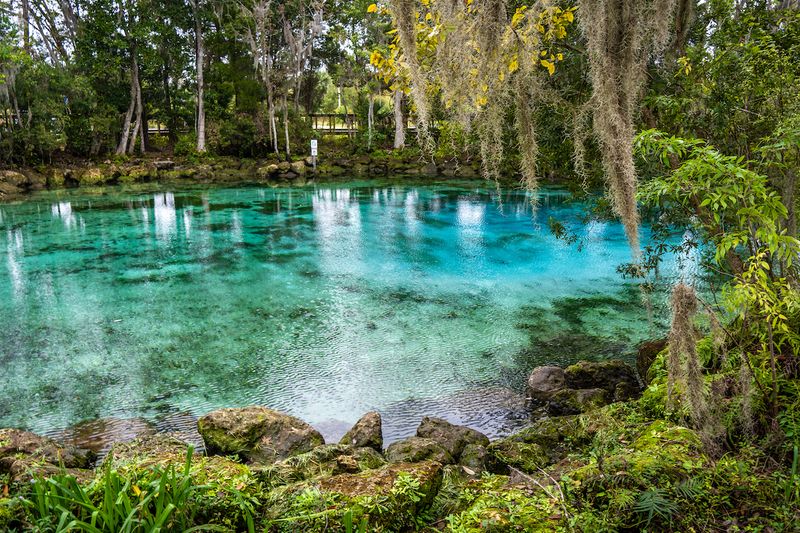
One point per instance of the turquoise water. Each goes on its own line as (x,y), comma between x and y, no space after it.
(323,302)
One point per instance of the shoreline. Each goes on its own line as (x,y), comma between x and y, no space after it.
(17,183)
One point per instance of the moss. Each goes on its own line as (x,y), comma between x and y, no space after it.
(323,461)
(389,499)
(510,509)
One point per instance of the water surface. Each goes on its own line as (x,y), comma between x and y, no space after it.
(323,302)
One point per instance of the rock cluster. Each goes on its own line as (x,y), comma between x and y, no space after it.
(581,387)
(282,459)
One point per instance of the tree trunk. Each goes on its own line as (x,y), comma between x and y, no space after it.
(139,126)
(126,125)
(273,129)
(171,122)
(286,126)
(370,119)
(26,26)
(399,121)
(199,58)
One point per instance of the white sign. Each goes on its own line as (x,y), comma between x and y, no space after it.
(314,147)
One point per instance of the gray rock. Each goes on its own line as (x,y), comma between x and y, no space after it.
(543,382)
(257,434)
(451,437)
(600,374)
(417,449)
(366,432)
(475,459)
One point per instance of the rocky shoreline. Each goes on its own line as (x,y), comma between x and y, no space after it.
(297,172)
(278,457)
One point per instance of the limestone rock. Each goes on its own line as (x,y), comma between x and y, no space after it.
(366,432)
(416,449)
(12,177)
(100,434)
(322,461)
(164,164)
(257,434)
(574,401)
(429,170)
(475,458)
(267,171)
(545,442)
(299,167)
(600,374)
(23,453)
(646,353)
(449,436)
(543,382)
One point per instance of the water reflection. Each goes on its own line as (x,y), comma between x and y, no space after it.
(470,219)
(14,252)
(165,215)
(63,211)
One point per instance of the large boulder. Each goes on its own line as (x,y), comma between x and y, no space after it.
(646,353)
(257,434)
(366,432)
(614,376)
(543,382)
(23,454)
(449,436)
(574,401)
(581,387)
(416,449)
(299,167)
(545,442)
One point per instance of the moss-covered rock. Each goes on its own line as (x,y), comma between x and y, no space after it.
(574,401)
(475,459)
(605,375)
(367,432)
(503,508)
(543,443)
(451,437)
(416,449)
(230,488)
(257,434)
(24,454)
(91,176)
(388,499)
(322,461)
(661,454)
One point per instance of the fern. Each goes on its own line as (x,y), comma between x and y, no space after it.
(654,503)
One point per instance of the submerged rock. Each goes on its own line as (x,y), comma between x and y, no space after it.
(366,432)
(417,449)
(23,454)
(257,434)
(100,434)
(449,436)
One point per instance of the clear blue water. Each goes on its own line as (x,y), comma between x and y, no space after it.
(322,302)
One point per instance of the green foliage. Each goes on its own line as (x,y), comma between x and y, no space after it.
(164,498)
